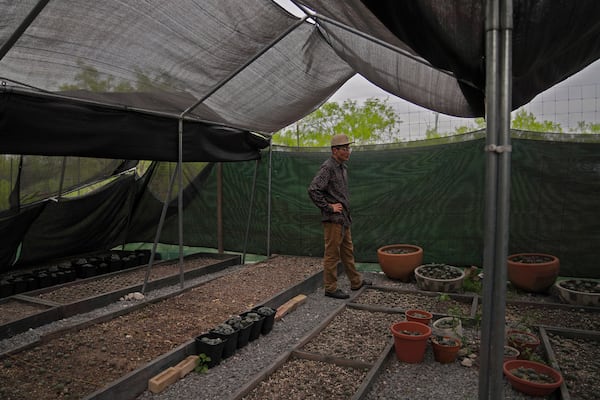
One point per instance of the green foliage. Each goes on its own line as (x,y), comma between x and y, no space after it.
(526,121)
(91,79)
(371,122)
(586,127)
(202,363)
(479,124)
(432,133)
(472,282)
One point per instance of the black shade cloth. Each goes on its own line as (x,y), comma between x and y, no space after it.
(84,130)
(552,40)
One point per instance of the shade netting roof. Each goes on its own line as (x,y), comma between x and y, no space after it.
(252,66)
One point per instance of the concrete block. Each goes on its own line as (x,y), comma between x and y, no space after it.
(159,382)
(186,366)
(289,306)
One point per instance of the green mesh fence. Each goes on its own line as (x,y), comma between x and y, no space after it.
(430,194)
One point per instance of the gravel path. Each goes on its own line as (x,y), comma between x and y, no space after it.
(427,380)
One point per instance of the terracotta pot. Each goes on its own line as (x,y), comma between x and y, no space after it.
(445,349)
(410,340)
(399,265)
(523,341)
(533,277)
(421,316)
(512,368)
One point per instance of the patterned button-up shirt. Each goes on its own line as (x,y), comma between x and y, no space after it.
(330,185)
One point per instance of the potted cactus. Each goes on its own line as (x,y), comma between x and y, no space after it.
(532,272)
(445,348)
(439,278)
(228,333)
(398,261)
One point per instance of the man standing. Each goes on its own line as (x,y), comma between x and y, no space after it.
(329,191)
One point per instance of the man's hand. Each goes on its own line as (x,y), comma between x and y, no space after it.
(337,207)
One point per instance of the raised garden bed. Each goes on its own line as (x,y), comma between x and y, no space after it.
(233,294)
(84,295)
(402,300)
(577,357)
(85,359)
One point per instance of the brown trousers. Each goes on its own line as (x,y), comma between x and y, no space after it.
(338,247)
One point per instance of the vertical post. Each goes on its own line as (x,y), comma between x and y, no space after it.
(180,201)
(161,222)
(498,26)
(220,245)
(269,199)
(250,208)
(62,178)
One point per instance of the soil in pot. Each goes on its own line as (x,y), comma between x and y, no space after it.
(511,353)
(269,321)
(448,326)
(532,272)
(230,335)
(532,378)
(398,261)
(257,323)
(212,346)
(584,292)
(439,278)
(445,348)
(421,316)
(525,342)
(244,328)
(410,340)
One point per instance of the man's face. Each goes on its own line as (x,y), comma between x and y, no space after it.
(341,153)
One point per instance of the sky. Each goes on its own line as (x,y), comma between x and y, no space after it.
(575,99)
(358,88)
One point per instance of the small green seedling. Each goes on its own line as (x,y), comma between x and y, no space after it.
(202,363)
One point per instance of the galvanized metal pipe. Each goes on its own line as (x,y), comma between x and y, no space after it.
(498,104)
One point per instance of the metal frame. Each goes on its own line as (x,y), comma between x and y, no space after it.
(498,27)
(179,171)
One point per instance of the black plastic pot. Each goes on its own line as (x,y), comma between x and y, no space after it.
(78,265)
(256,326)
(230,344)
(19,285)
(45,280)
(244,335)
(115,263)
(269,320)
(6,289)
(102,268)
(214,351)
(88,271)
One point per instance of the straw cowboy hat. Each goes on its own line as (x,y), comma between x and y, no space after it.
(340,140)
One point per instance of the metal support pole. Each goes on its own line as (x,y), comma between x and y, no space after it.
(62,178)
(498,104)
(220,246)
(269,191)
(250,208)
(159,229)
(22,27)
(180,202)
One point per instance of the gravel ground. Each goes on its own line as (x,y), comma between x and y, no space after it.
(427,380)
(424,381)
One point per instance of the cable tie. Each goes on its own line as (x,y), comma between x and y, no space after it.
(498,149)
